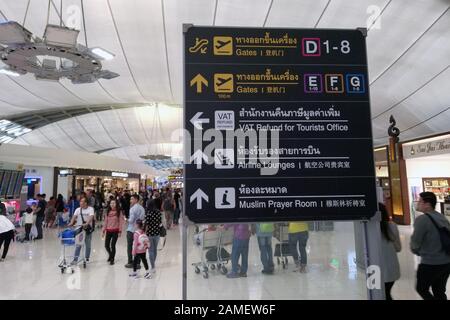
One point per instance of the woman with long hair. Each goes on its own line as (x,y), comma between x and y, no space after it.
(390,245)
(112,229)
(153,224)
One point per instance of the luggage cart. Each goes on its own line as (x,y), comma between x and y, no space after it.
(71,238)
(282,249)
(212,244)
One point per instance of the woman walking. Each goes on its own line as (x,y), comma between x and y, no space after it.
(112,229)
(390,245)
(153,224)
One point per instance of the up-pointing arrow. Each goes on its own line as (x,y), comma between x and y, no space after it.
(199,80)
(197,121)
(199,195)
(197,158)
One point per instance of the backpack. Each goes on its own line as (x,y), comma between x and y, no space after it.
(143,241)
(167,206)
(444,234)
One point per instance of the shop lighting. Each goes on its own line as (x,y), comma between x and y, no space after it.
(427,140)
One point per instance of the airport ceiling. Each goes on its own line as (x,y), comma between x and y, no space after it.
(408,53)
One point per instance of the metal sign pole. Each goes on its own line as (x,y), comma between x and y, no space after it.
(372,258)
(184,232)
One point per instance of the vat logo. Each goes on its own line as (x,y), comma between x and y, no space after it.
(334,83)
(313,83)
(311,47)
(355,83)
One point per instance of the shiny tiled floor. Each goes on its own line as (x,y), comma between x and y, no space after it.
(31,272)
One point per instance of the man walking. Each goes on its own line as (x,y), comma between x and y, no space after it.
(137,212)
(434,268)
(40,215)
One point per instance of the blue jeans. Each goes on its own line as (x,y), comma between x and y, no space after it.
(301,238)
(240,249)
(87,243)
(265,248)
(153,250)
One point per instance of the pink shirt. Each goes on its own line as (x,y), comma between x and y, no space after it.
(113,223)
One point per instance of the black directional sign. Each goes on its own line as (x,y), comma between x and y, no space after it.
(277,125)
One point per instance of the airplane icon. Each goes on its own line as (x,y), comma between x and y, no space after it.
(223,83)
(223,46)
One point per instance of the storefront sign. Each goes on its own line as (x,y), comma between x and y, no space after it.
(425,149)
(10,166)
(119,174)
(278,124)
(65,172)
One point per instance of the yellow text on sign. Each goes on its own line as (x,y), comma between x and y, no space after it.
(223,46)
(223,83)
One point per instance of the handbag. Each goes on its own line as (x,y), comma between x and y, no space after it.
(162,231)
(88,229)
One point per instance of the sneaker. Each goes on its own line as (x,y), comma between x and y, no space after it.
(267,271)
(133,275)
(147,275)
(233,275)
(74,263)
(129,265)
(153,270)
(111,262)
(303,269)
(243,274)
(2,259)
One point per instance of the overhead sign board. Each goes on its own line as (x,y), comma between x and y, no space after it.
(277,125)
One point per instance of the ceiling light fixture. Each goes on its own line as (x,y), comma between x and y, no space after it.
(102,53)
(57,55)
(9,72)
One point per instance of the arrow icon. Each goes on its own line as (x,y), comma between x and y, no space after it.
(199,195)
(197,122)
(199,80)
(197,157)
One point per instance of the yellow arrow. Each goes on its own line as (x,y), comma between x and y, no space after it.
(199,80)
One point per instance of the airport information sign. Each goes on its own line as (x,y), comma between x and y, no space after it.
(277,125)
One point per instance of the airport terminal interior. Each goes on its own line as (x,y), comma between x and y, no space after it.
(123,109)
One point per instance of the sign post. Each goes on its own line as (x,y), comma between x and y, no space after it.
(277,125)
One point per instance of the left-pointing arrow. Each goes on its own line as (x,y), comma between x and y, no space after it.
(199,80)
(197,121)
(199,195)
(198,158)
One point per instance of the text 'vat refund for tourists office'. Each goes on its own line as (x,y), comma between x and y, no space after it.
(277,204)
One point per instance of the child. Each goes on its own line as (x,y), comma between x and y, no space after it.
(141,243)
(28,222)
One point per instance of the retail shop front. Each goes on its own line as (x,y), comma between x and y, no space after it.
(428,169)
(74,181)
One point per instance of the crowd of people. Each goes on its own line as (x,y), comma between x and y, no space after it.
(148,215)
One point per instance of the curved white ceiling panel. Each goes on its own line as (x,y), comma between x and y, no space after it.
(408,53)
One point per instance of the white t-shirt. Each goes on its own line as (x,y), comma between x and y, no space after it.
(5,224)
(28,218)
(88,212)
